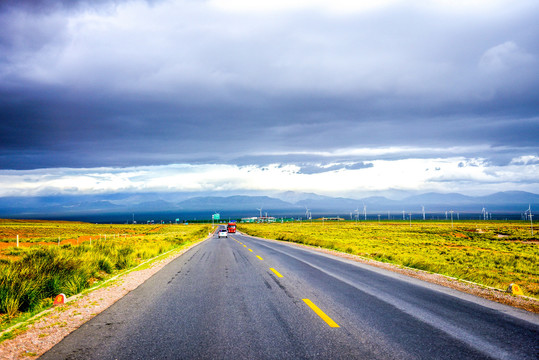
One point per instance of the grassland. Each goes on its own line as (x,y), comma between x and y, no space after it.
(68,257)
(491,253)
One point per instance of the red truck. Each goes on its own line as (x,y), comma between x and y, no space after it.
(231,227)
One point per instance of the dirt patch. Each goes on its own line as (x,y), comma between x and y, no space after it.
(157,228)
(78,241)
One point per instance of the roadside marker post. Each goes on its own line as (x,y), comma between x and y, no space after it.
(59,299)
(17,240)
(515,289)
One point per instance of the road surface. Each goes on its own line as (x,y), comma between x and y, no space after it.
(247,298)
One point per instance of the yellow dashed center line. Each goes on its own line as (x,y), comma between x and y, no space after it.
(320,313)
(276,272)
(313,307)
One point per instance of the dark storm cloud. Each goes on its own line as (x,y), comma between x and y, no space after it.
(120,83)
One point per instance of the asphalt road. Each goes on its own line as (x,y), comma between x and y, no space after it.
(246,298)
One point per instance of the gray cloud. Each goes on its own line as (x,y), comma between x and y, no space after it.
(126,83)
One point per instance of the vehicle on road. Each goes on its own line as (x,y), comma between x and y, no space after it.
(231,227)
(222,233)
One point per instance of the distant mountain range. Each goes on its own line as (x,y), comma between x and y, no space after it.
(287,203)
(511,201)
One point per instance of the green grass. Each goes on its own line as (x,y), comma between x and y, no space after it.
(31,276)
(489,253)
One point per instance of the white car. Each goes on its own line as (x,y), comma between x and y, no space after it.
(223,233)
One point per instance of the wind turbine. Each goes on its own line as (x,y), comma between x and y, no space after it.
(423,211)
(306,213)
(531,215)
(365,211)
(357,214)
(260,212)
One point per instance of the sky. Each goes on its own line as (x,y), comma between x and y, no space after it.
(335,97)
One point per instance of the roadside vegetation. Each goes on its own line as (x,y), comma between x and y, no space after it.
(68,257)
(491,253)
